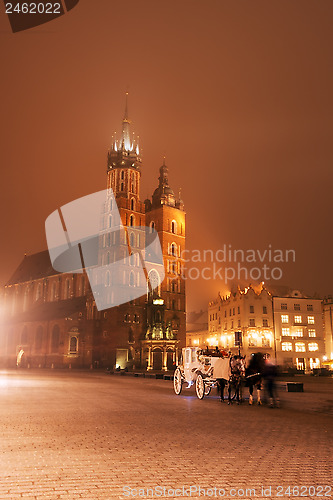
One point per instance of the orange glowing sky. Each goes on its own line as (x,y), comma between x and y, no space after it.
(237,94)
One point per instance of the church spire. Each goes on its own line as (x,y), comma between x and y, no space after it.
(126,143)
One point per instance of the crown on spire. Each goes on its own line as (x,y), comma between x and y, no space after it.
(127,143)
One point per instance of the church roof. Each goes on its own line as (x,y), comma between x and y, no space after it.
(33,267)
(50,310)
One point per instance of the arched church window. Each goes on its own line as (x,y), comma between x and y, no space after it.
(173,249)
(122,186)
(132,240)
(132,204)
(152,226)
(55,338)
(39,338)
(39,291)
(132,220)
(53,292)
(122,175)
(174,227)
(73,345)
(24,336)
(155,281)
(67,289)
(25,299)
(131,279)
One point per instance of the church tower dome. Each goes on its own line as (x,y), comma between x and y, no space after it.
(163,194)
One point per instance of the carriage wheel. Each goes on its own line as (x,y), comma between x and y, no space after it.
(207,389)
(177,381)
(200,387)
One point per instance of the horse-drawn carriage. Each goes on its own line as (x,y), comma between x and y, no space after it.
(207,370)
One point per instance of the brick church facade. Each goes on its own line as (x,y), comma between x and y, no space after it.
(51,319)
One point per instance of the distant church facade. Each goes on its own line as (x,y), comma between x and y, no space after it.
(51,319)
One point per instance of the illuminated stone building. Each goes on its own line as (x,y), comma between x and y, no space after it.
(328,326)
(50,318)
(246,311)
(299,331)
(288,327)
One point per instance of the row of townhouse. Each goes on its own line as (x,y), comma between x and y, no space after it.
(296,330)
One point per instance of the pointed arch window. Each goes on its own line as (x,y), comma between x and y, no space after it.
(73,345)
(122,175)
(173,249)
(132,204)
(155,281)
(25,299)
(39,292)
(24,336)
(132,220)
(152,226)
(67,289)
(55,338)
(174,227)
(39,338)
(53,292)
(132,240)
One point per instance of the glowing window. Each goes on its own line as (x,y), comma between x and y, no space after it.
(286,332)
(287,346)
(311,320)
(313,346)
(285,318)
(298,319)
(300,347)
(312,332)
(298,333)
(73,345)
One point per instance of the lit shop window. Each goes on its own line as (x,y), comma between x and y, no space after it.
(311,320)
(287,346)
(300,347)
(298,333)
(314,363)
(285,318)
(286,332)
(313,346)
(298,319)
(312,333)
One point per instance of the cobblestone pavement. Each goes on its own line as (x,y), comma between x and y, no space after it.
(96,436)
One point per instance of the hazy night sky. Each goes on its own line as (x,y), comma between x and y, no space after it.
(237,94)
